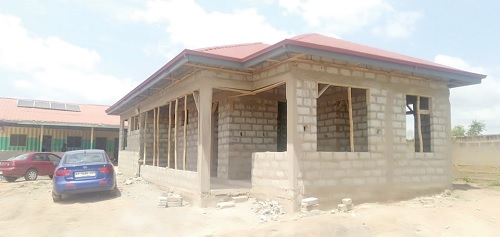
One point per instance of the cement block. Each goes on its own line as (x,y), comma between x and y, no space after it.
(223,205)
(240,199)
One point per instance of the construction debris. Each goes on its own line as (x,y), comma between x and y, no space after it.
(223,205)
(268,210)
(346,205)
(309,204)
(130,181)
(170,200)
(240,199)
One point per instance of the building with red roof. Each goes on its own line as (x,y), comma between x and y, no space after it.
(36,125)
(309,116)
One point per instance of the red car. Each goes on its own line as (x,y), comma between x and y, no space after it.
(29,165)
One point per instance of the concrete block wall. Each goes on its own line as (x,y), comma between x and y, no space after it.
(333,121)
(185,182)
(476,157)
(269,178)
(247,125)
(388,170)
(128,162)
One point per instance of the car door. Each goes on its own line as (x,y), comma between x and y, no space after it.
(54,160)
(42,163)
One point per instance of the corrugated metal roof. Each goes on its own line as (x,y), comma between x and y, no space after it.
(238,51)
(244,56)
(90,115)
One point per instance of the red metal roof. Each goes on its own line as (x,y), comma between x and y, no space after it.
(242,56)
(239,51)
(90,115)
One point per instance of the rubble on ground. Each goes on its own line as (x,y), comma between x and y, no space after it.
(132,180)
(268,210)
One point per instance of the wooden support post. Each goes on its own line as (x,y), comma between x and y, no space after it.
(419,125)
(351,122)
(185,130)
(169,133)
(154,136)
(145,126)
(158,143)
(176,118)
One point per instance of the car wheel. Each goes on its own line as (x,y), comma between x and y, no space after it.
(113,192)
(56,198)
(10,179)
(51,176)
(30,175)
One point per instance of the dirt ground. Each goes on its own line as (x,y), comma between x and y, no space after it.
(26,209)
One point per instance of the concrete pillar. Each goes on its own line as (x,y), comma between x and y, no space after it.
(204,138)
(293,148)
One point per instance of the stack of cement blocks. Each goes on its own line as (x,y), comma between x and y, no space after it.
(309,204)
(346,205)
(171,201)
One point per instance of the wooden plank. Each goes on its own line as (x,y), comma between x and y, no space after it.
(176,118)
(419,126)
(154,136)
(323,90)
(145,139)
(169,133)
(185,130)
(351,122)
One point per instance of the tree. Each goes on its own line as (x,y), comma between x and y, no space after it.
(458,131)
(476,128)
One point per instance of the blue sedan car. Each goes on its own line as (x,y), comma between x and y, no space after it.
(83,171)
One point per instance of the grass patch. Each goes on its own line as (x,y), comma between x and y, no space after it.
(495,183)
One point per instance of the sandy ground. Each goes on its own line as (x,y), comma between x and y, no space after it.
(26,209)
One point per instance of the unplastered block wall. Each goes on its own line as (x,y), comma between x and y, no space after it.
(476,157)
(270,175)
(333,120)
(133,140)
(128,162)
(247,125)
(388,169)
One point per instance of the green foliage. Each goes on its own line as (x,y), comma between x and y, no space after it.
(476,128)
(458,131)
(468,180)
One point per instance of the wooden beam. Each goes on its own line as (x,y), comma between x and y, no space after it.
(419,126)
(351,122)
(185,130)
(145,137)
(169,132)
(323,90)
(154,136)
(176,118)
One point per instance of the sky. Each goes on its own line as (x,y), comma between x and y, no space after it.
(95,52)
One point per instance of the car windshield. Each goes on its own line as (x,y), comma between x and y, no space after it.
(82,158)
(19,157)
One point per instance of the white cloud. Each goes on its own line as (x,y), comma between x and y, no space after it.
(339,16)
(477,102)
(190,26)
(53,69)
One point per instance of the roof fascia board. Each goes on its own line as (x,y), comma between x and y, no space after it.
(384,64)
